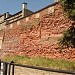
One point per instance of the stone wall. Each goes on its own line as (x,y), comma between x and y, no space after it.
(38,34)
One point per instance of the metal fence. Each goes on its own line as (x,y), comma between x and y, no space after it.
(5,68)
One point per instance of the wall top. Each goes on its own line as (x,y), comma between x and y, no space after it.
(56,0)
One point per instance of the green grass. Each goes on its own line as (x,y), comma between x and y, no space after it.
(43,62)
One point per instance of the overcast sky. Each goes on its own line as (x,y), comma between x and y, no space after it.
(14,6)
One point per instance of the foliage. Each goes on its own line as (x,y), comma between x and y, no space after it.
(42,61)
(68,39)
(69,8)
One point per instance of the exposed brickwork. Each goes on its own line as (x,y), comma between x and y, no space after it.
(40,40)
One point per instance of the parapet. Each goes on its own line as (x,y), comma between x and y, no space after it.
(8,18)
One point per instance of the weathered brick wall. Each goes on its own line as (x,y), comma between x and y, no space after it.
(38,38)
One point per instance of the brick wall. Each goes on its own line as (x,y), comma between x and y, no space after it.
(38,34)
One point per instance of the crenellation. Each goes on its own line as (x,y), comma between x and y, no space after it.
(56,0)
(18,22)
(37,15)
(51,10)
(11,25)
(2,18)
(27,19)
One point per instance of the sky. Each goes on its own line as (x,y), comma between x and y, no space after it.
(14,6)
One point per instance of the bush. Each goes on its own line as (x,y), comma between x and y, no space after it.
(68,39)
(69,8)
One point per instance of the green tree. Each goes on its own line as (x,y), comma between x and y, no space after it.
(69,7)
(68,39)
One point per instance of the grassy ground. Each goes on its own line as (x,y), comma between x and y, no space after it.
(43,62)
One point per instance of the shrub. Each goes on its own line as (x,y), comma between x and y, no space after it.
(68,39)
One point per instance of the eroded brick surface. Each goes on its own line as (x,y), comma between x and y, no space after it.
(40,40)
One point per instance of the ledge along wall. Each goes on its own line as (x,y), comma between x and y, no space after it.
(38,34)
